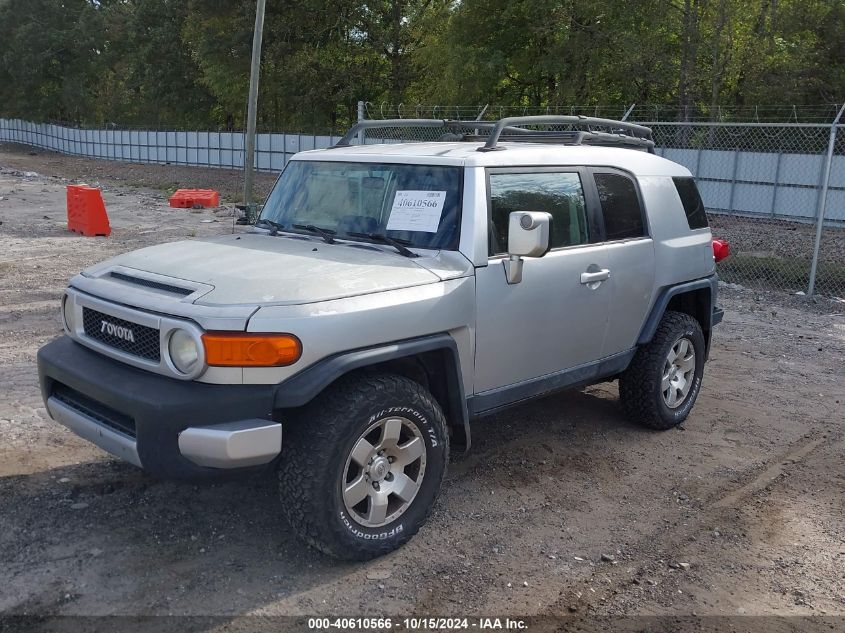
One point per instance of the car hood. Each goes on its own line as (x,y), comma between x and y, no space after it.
(259,269)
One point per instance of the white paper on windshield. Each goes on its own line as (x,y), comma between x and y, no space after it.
(416,211)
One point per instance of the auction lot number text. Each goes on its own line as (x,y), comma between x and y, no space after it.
(416,624)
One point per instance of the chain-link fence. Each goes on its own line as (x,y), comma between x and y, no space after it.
(763,185)
(822,113)
(763,181)
(216,148)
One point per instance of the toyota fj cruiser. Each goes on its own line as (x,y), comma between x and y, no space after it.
(389,294)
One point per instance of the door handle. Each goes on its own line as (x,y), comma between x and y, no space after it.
(596,277)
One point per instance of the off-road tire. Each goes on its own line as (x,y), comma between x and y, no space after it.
(640,385)
(317,443)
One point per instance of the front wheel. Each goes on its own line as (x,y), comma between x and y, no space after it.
(362,465)
(659,388)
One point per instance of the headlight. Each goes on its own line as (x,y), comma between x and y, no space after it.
(184,351)
(67,314)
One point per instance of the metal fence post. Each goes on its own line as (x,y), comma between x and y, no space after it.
(361,117)
(698,161)
(775,184)
(252,113)
(823,201)
(736,154)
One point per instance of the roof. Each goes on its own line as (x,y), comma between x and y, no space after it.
(465,154)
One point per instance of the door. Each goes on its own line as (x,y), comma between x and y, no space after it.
(556,317)
(630,251)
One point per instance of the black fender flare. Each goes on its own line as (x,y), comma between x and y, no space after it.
(712,315)
(304,386)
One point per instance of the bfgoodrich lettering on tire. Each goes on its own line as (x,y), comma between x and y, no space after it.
(362,465)
(659,388)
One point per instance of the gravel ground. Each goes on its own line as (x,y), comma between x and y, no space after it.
(167,178)
(562,507)
(777,254)
(761,237)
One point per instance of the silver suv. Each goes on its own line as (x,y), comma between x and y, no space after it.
(388,295)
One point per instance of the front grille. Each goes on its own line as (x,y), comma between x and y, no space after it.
(132,338)
(94,410)
(149,283)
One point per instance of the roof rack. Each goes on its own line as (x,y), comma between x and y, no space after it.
(581,131)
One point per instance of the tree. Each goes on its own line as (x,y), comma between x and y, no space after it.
(49,55)
(161,78)
(186,62)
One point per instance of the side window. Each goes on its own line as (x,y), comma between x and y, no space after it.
(693,205)
(560,194)
(620,206)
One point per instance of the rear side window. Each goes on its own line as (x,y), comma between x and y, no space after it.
(620,206)
(693,205)
(557,193)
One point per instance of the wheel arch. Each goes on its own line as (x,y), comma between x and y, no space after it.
(433,361)
(695,298)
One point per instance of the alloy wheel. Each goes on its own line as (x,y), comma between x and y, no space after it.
(678,373)
(384,471)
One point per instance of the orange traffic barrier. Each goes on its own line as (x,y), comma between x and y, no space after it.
(187,198)
(86,213)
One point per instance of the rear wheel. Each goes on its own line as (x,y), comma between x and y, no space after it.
(659,388)
(362,465)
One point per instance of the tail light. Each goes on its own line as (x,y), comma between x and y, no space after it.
(721,250)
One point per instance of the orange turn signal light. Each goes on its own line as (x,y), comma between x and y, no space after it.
(245,349)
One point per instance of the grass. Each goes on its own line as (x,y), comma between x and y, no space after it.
(791,274)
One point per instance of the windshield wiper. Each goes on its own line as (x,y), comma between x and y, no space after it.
(326,234)
(275,227)
(398,244)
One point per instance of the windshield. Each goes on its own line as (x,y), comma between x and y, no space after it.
(419,205)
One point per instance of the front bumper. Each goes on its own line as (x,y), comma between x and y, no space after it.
(171,428)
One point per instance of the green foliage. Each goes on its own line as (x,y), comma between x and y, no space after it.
(186,62)
(48,55)
(161,74)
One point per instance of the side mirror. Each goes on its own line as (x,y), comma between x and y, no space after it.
(528,236)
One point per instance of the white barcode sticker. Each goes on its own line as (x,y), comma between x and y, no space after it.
(416,211)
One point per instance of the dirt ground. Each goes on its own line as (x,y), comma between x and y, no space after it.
(562,507)
(167,178)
